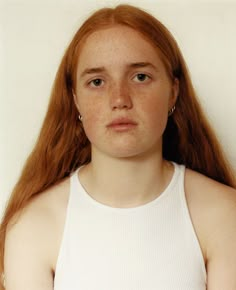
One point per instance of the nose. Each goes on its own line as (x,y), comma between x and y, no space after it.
(120,97)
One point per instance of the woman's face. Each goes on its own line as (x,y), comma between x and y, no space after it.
(123,93)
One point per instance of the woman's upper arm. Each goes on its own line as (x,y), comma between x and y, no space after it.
(221,265)
(27,257)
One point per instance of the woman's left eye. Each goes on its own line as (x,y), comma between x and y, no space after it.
(141,77)
(96,82)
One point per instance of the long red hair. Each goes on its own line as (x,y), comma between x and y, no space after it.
(62,145)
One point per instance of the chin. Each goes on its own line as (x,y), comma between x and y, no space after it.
(128,154)
(135,149)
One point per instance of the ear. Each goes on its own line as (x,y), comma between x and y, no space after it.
(174,93)
(75,100)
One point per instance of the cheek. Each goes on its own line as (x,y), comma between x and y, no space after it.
(92,116)
(156,110)
(155,115)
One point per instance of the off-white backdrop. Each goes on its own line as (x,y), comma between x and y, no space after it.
(34,35)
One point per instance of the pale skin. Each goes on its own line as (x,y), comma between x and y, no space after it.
(115,79)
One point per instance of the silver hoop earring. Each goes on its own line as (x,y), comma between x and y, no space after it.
(171,111)
(80,118)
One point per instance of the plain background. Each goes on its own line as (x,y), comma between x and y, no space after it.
(33,38)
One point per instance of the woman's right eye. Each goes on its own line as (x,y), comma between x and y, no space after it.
(96,82)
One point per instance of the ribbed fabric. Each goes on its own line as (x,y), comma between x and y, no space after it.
(149,247)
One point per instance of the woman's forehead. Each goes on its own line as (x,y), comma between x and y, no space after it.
(115,45)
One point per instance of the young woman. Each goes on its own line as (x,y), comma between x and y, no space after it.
(127,187)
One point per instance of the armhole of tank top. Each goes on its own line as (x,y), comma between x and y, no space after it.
(58,277)
(189,221)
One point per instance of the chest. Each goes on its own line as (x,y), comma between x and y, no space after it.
(157,250)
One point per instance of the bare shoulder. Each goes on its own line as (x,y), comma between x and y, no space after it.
(211,201)
(209,194)
(212,206)
(44,209)
(209,191)
(37,230)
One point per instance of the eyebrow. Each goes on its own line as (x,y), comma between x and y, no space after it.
(95,70)
(142,64)
(92,70)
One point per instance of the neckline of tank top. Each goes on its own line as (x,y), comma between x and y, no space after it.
(158,199)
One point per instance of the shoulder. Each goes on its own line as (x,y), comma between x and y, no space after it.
(208,193)
(42,208)
(38,230)
(209,190)
(212,206)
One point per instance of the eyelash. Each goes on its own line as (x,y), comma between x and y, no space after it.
(142,74)
(92,82)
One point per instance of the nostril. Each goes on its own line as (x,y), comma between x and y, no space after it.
(121,101)
(121,106)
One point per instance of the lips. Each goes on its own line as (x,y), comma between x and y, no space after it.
(122,124)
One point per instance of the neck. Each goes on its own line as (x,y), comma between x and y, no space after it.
(126,182)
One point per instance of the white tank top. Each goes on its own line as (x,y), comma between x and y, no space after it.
(149,247)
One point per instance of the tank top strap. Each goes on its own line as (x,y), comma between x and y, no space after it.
(180,168)
(192,235)
(74,181)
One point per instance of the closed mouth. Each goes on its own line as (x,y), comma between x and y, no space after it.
(121,122)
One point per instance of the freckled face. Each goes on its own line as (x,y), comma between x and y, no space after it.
(123,93)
